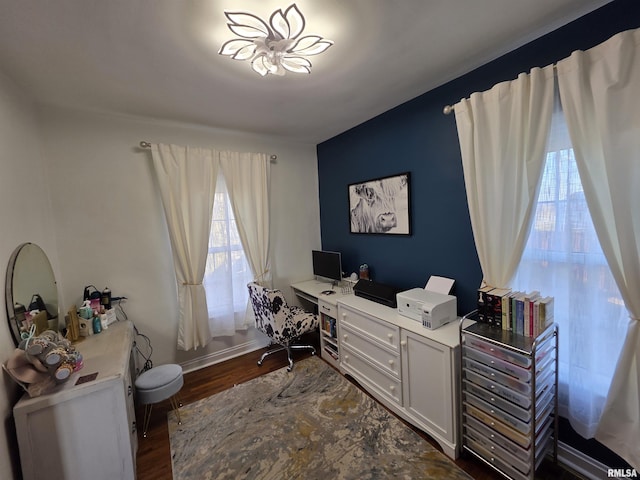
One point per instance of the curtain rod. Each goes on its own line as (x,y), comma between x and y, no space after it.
(450,108)
(144,144)
(447,109)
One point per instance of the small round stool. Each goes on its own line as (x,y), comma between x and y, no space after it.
(158,384)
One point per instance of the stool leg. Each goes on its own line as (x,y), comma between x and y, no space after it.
(147,416)
(176,407)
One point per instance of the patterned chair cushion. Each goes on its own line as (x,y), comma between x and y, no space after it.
(281,322)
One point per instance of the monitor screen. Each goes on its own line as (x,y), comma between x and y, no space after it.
(327,264)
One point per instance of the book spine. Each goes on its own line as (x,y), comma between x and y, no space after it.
(495,309)
(520,316)
(505,311)
(514,309)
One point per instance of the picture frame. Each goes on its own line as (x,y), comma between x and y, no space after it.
(381,206)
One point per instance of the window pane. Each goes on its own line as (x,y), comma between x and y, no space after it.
(227,271)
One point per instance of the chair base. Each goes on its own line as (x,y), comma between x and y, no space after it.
(288,349)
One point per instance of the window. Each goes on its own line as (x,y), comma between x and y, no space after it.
(227,272)
(563,258)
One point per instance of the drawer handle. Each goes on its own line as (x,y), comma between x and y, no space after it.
(133,427)
(390,335)
(346,358)
(403,343)
(344,337)
(391,362)
(392,388)
(129,391)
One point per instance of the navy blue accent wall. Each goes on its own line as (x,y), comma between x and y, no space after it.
(417,137)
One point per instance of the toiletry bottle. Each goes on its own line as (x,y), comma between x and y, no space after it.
(105,298)
(97,326)
(103,318)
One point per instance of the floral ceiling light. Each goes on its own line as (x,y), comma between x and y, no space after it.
(276,47)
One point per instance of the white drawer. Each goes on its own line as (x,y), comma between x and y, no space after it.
(365,372)
(501,427)
(492,435)
(523,414)
(381,357)
(496,460)
(520,373)
(327,309)
(379,330)
(487,408)
(497,450)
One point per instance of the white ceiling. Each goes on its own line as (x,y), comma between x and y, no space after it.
(158,58)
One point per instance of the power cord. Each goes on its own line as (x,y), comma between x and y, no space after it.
(147,364)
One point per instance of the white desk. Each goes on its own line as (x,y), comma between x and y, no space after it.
(311,290)
(410,369)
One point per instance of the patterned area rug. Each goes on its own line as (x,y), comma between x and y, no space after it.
(311,423)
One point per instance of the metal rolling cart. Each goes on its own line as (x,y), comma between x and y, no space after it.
(509,402)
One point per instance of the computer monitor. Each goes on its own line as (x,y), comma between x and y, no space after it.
(327,265)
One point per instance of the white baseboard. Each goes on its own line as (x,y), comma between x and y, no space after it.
(223,355)
(580,463)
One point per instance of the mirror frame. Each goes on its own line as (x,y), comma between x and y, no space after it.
(9,297)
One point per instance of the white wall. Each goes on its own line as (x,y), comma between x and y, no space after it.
(25,216)
(111,229)
(77,185)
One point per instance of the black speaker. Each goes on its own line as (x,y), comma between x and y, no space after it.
(376,292)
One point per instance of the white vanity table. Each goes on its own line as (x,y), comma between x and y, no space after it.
(410,369)
(84,431)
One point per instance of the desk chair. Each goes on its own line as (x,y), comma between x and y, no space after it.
(282,323)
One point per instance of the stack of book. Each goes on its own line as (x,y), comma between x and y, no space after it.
(329,326)
(523,313)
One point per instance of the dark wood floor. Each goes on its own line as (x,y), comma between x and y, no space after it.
(154,458)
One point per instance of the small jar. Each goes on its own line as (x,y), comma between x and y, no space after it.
(63,372)
(55,357)
(364,271)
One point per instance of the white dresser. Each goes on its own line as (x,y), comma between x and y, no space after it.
(410,369)
(87,430)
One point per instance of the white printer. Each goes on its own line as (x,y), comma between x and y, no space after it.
(433,309)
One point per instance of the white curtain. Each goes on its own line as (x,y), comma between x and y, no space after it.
(600,92)
(247,176)
(563,259)
(502,134)
(187,180)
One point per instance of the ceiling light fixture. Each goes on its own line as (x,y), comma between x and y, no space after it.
(276,47)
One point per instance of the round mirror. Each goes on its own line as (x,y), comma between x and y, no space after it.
(30,283)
